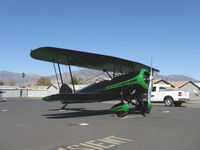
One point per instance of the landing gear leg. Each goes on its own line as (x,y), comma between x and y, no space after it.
(141,105)
(62,108)
(122,98)
(121,109)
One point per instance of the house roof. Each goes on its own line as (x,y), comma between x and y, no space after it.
(166,82)
(198,84)
(52,85)
(180,84)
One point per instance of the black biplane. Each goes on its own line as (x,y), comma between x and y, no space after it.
(130,82)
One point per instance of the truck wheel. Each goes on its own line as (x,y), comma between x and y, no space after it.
(169,101)
(177,104)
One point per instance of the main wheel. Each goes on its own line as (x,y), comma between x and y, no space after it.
(169,101)
(121,113)
(147,110)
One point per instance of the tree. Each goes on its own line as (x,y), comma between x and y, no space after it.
(12,82)
(76,80)
(1,83)
(23,75)
(43,81)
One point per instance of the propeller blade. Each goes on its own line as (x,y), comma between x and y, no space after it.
(149,105)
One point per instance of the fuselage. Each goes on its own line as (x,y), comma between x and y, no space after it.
(137,80)
(107,90)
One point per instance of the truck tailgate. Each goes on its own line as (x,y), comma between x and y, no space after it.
(183,95)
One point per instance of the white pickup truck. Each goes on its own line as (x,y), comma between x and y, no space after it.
(169,97)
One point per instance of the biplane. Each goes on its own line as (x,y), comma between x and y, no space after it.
(130,82)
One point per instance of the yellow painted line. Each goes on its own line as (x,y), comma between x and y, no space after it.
(125,117)
(129,116)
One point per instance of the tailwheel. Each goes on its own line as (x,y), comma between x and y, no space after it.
(63,107)
(121,109)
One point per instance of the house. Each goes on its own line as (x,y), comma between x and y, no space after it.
(198,84)
(187,86)
(53,87)
(13,91)
(42,91)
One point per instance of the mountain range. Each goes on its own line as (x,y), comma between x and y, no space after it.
(6,76)
(87,75)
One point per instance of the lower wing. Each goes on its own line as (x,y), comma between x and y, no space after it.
(81,98)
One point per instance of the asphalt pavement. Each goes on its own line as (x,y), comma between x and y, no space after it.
(32,124)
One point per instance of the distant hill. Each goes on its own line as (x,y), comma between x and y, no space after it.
(87,76)
(84,74)
(6,76)
(176,78)
(94,75)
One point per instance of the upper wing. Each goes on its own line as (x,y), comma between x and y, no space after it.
(86,60)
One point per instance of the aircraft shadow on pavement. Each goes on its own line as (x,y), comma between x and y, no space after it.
(76,109)
(163,106)
(80,112)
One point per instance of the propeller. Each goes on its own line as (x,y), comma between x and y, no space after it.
(149,104)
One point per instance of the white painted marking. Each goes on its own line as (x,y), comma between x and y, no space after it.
(83,124)
(166,111)
(62,110)
(4,110)
(78,124)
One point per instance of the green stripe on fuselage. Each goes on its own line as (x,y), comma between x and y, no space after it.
(139,79)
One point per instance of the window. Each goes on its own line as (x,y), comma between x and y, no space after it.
(153,89)
(162,89)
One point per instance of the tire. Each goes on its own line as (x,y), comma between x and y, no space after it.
(169,101)
(121,113)
(177,104)
(147,110)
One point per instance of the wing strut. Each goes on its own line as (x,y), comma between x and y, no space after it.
(120,70)
(107,74)
(56,75)
(60,73)
(114,71)
(71,78)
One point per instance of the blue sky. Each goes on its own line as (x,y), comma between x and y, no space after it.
(168,31)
